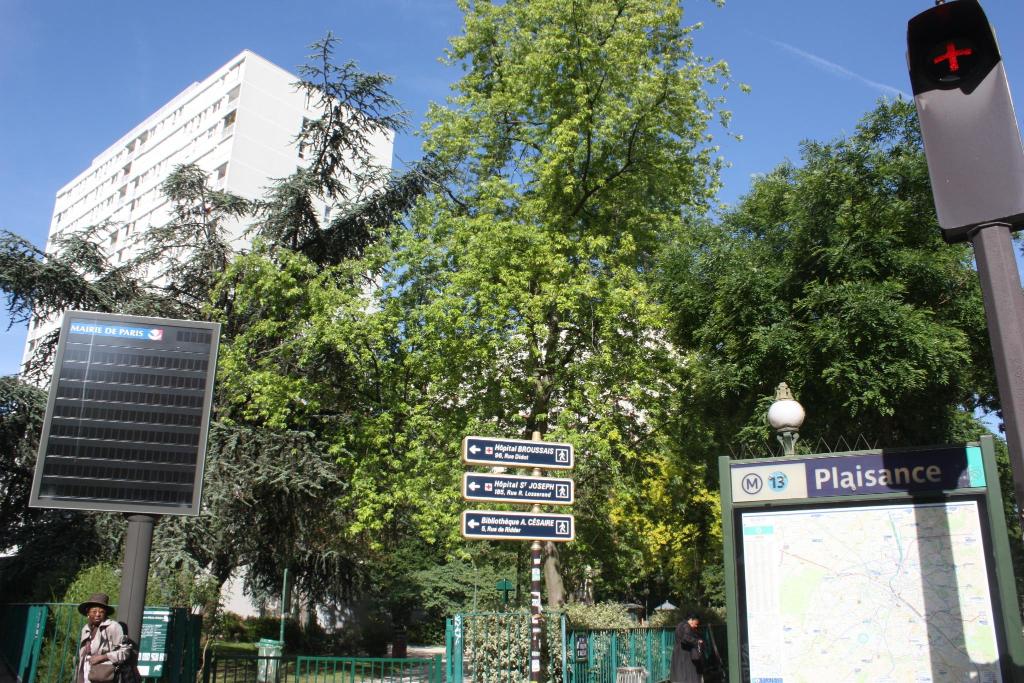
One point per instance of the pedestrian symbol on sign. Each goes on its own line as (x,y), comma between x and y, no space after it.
(562,528)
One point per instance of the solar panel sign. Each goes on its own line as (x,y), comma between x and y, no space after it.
(128,415)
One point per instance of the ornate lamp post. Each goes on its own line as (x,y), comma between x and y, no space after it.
(786,416)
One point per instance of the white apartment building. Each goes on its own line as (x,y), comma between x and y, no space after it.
(239,124)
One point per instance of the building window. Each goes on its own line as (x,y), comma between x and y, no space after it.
(233,94)
(222,171)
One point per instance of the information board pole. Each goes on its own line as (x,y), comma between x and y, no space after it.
(1004,310)
(535,599)
(135,572)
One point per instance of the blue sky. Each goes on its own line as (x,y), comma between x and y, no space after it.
(75,76)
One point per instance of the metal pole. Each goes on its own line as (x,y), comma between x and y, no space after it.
(284,603)
(535,604)
(1004,310)
(135,573)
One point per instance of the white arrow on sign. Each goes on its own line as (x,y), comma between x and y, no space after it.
(474,450)
(472,486)
(472,524)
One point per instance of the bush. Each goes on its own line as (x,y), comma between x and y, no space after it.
(99,578)
(233,628)
(612,615)
(671,618)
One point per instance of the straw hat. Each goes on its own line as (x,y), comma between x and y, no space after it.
(96,600)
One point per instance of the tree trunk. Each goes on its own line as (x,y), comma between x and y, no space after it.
(553,576)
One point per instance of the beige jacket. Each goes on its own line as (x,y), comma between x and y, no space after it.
(109,640)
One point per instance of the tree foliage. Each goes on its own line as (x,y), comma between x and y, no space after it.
(579,137)
(271,478)
(832,276)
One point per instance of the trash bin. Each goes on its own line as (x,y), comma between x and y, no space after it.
(269,652)
(631,674)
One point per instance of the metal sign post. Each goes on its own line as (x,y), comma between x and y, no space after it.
(533,490)
(125,428)
(536,617)
(1004,312)
(976,166)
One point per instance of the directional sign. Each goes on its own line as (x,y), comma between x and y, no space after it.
(506,488)
(485,450)
(517,526)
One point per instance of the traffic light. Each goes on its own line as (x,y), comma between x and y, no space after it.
(971,140)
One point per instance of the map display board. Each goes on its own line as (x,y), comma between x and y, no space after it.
(127,416)
(866,592)
(874,566)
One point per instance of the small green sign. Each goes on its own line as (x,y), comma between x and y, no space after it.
(505,587)
(153,643)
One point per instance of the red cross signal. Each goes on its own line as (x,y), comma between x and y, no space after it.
(951,55)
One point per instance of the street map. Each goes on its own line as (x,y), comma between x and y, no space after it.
(886,594)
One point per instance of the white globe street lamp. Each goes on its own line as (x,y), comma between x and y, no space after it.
(786,416)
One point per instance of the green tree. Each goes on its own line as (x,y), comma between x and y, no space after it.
(579,133)
(832,276)
(271,478)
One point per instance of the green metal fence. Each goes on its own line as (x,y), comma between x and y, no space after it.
(40,643)
(488,647)
(368,670)
(604,656)
(247,668)
(21,629)
(495,648)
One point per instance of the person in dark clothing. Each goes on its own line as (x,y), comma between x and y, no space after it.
(688,654)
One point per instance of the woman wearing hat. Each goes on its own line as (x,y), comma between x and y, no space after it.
(102,640)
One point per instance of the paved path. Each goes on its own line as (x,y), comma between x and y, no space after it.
(425,651)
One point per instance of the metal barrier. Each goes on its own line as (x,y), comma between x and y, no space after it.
(245,668)
(603,656)
(488,647)
(368,670)
(21,631)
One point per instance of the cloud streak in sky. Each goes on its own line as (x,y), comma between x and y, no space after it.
(833,68)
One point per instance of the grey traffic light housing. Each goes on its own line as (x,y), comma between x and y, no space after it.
(971,139)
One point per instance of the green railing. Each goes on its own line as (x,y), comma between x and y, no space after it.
(246,668)
(21,631)
(495,648)
(599,656)
(367,670)
(488,647)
